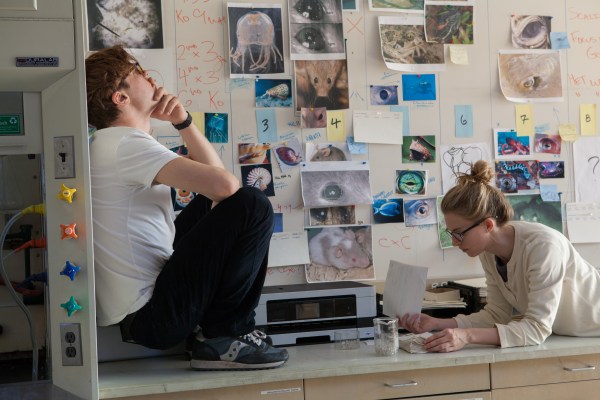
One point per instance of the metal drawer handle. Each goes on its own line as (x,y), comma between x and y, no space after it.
(400,385)
(588,368)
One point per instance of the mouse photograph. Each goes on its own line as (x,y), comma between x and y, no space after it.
(340,253)
(327,152)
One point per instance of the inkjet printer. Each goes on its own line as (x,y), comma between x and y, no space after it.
(312,312)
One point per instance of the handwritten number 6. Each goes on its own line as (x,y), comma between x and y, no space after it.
(463,121)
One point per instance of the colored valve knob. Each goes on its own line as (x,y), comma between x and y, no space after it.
(70,270)
(68,231)
(66,193)
(71,306)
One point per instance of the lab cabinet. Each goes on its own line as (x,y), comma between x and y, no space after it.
(285,390)
(570,377)
(402,384)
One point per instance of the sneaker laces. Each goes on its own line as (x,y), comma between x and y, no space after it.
(255,337)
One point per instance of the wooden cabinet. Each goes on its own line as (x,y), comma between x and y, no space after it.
(401,384)
(572,377)
(285,390)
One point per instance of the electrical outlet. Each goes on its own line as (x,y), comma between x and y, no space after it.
(70,344)
(64,161)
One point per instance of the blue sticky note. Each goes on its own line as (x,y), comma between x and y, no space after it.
(266,125)
(559,40)
(405,118)
(549,192)
(463,121)
(356,147)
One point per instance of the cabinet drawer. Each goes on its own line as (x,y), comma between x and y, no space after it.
(585,390)
(545,370)
(395,385)
(461,396)
(286,390)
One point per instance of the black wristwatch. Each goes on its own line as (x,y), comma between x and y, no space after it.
(184,124)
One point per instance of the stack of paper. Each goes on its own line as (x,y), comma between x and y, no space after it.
(413,343)
(478,283)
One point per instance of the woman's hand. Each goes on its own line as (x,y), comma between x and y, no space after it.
(418,323)
(447,340)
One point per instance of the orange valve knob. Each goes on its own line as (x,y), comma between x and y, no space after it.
(68,231)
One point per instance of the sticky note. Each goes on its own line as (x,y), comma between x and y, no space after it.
(459,54)
(549,192)
(266,125)
(567,132)
(524,119)
(587,119)
(559,40)
(198,120)
(405,118)
(336,126)
(463,120)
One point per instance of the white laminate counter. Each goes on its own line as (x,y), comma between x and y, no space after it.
(173,374)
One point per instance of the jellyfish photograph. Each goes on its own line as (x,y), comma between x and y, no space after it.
(255,40)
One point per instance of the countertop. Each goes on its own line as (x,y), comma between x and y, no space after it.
(173,374)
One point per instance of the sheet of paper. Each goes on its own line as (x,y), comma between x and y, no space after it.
(288,248)
(457,158)
(404,289)
(582,222)
(586,164)
(377,127)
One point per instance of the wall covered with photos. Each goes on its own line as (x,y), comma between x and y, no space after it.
(371,109)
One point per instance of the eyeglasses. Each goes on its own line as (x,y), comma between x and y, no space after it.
(138,68)
(460,236)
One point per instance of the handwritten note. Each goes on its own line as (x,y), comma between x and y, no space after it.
(463,120)
(588,120)
(288,248)
(524,119)
(336,126)
(377,127)
(266,125)
(582,222)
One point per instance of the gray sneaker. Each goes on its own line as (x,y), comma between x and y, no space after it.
(249,351)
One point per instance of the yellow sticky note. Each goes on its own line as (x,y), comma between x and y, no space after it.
(198,120)
(587,119)
(459,54)
(336,126)
(567,132)
(524,119)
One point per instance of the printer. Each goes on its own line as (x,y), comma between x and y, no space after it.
(312,312)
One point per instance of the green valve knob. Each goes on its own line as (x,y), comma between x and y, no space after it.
(71,306)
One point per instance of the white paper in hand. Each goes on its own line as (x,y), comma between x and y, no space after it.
(404,289)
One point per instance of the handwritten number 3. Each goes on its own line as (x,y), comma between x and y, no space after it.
(266,124)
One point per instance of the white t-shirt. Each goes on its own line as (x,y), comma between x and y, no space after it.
(549,284)
(132,219)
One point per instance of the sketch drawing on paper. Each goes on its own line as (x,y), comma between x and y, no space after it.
(135,24)
(340,253)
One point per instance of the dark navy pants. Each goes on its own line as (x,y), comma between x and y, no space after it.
(216,273)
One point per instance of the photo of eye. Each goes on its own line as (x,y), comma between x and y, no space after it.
(420,212)
(544,143)
(384,95)
(530,74)
(411,182)
(530,31)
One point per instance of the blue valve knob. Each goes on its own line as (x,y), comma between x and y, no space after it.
(71,306)
(70,270)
